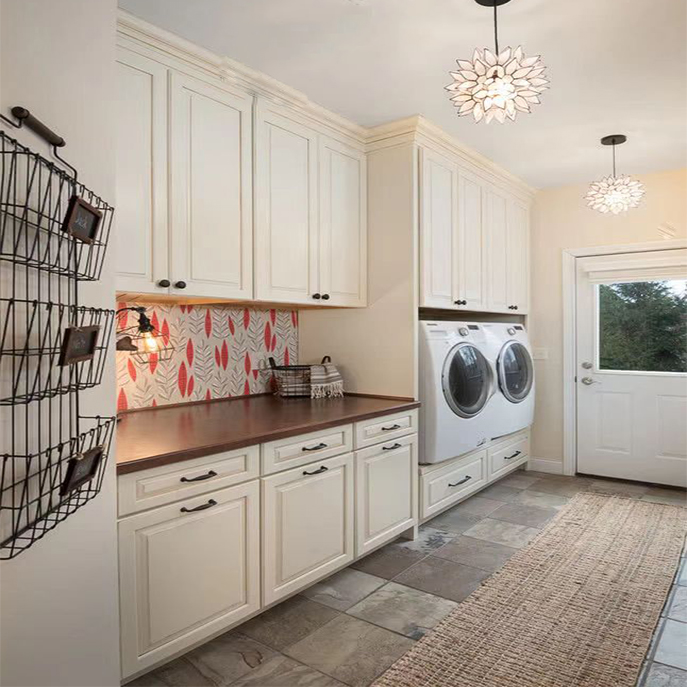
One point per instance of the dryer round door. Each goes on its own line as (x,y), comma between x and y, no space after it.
(515,371)
(466,380)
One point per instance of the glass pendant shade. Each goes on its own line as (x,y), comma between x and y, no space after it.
(497,85)
(615,194)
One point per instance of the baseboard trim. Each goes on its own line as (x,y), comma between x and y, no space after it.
(545,465)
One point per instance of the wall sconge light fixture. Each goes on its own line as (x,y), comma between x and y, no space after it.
(142,340)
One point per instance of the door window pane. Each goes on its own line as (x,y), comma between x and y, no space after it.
(643,326)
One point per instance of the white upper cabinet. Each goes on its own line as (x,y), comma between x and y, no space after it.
(470,294)
(211,190)
(496,250)
(286,232)
(439,221)
(141,177)
(519,257)
(343,224)
(310,214)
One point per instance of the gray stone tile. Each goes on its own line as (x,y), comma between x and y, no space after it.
(672,645)
(477,505)
(454,521)
(388,561)
(343,589)
(430,537)
(499,492)
(682,574)
(402,609)
(288,623)
(350,650)
(519,480)
(520,514)
(505,533)
(476,553)
(282,671)
(530,497)
(562,486)
(677,606)
(219,662)
(664,676)
(619,488)
(443,578)
(672,497)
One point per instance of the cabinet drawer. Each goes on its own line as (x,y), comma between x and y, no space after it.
(385,492)
(504,457)
(441,488)
(378,429)
(307,516)
(306,448)
(138,491)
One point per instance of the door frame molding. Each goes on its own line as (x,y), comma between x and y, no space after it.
(569,268)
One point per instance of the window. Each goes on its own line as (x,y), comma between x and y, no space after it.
(643,326)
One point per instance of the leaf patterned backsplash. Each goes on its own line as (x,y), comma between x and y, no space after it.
(218,352)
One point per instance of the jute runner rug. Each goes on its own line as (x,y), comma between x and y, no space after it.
(575,608)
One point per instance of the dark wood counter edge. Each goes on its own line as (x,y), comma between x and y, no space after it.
(200,451)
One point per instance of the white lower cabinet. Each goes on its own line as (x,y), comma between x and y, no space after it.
(187,571)
(307,525)
(386,492)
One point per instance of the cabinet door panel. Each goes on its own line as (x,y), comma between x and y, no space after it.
(343,224)
(497,258)
(141,175)
(386,492)
(308,525)
(470,270)
(286,210)
(211,190)
(519,256)
(186,575)
(439,226)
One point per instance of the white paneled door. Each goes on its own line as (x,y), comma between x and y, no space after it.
(211,190)
(631,359)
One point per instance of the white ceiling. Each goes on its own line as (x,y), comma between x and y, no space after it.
(616,66)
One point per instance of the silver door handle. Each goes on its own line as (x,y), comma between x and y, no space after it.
(588,381)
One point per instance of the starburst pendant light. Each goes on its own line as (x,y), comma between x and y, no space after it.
(497,85)
(614,194)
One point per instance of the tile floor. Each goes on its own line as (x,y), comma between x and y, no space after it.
(349,628)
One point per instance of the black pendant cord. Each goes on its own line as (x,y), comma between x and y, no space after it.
(614,174)
(496,28)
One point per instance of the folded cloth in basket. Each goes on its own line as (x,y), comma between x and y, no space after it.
(325,380)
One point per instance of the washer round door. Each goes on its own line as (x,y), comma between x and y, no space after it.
(515,371)
(466,380)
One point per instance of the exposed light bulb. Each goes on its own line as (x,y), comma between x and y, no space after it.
(150,343)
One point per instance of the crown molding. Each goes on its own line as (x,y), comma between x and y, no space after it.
(416,129)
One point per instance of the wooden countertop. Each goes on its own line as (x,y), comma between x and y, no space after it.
(158,436)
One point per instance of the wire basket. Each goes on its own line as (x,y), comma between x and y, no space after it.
(35,357)
(41,489)
(292,380)
(48,220)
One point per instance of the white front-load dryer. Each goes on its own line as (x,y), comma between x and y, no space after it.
(509,352)
(457,383)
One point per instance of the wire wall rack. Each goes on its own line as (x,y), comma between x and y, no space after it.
(54,234)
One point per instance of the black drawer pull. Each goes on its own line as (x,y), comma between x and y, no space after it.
(391,448)
(204,506)
(391,429)
(515,455)
(460,481)
(314,448)
(200,478)
(316,472)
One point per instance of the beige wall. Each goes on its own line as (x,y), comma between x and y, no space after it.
(561,220)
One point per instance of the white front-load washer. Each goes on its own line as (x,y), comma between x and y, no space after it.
(509,351)
(457,383)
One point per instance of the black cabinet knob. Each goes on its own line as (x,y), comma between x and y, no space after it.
(164,283)
(179,284)
(317,296)
(325,296)
(515,307)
